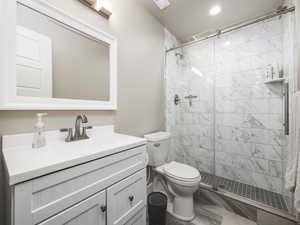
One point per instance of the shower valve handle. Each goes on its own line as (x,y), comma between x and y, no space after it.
(190,97)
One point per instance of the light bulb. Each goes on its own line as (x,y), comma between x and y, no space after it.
(215,10)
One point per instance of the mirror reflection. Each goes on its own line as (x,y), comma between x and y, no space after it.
(56,61)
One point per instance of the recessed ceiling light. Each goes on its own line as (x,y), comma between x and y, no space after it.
(215,10)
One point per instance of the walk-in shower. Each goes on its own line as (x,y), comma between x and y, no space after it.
(229,120)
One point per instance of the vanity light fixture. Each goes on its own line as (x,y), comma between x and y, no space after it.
(215,10)
(103,7)
(162,4)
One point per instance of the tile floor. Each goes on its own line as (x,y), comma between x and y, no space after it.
(199,220)
(213,215)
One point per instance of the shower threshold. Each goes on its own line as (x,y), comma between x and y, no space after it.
(260,198)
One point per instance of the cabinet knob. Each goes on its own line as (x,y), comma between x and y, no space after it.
(131,198)
(103,208)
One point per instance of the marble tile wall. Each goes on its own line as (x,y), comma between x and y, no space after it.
(249,113)
(190,125)
(234,113)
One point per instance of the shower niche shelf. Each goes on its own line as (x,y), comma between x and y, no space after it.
(275,81)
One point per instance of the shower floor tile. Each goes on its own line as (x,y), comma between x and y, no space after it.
(260,195)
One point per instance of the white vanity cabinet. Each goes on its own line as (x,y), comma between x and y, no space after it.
(109,190)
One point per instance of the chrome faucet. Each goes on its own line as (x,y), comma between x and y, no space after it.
(80,130)
(80,119)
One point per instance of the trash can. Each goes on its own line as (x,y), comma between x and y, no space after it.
(157,208)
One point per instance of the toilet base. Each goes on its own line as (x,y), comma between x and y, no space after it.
(172,213)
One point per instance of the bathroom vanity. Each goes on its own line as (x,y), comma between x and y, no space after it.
(97,181)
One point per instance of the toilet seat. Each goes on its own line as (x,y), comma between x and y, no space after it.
(182,173)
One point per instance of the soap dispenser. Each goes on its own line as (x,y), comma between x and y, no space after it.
(39,139)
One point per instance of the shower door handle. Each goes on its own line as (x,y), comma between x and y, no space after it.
(286,107)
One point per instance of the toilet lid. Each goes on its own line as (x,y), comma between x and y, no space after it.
(181,171)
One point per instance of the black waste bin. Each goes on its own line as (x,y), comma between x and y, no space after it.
(157,208)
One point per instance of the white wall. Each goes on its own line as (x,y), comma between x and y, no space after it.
(140,61)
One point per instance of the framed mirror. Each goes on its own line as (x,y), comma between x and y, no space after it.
(57,62)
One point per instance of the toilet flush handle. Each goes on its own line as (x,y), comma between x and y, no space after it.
(156,145)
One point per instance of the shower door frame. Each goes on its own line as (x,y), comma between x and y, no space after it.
(218,33)
(238,26)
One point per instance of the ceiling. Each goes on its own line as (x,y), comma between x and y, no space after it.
(185,18)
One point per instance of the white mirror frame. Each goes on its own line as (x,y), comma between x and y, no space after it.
(8,97)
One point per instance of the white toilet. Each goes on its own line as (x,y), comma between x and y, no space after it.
(181,180)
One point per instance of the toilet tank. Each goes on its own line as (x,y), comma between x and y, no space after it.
(158,148)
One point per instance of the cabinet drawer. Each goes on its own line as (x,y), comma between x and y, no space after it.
(138,219)
(91,211)
(126,198)
(41,198)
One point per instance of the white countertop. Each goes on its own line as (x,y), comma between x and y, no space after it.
(24,163)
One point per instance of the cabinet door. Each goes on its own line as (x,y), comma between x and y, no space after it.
(91,211)
(126,198)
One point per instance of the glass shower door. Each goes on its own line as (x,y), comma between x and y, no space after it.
(189,85)
(224,118)
(250,140)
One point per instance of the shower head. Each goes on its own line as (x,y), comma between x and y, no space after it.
(181,56)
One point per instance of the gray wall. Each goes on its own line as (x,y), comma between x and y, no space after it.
(140,62)
(140,92)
